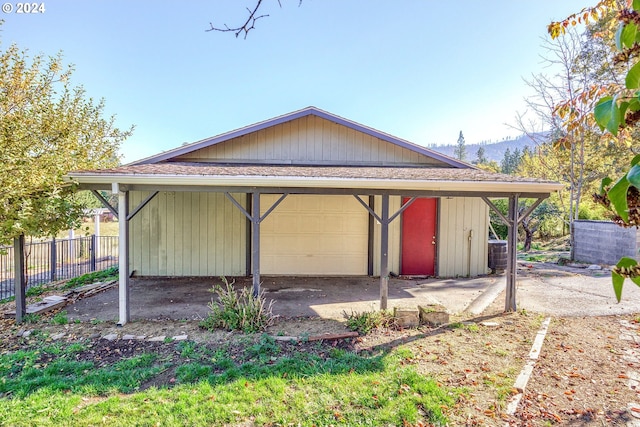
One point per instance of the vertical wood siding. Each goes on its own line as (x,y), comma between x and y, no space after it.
(310,139)
(458,217)
(187,234)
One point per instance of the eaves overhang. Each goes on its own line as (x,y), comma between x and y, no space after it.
(251,181)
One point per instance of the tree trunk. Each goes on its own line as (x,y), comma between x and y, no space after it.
(528,236)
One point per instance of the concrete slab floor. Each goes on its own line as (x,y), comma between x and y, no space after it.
(326,297)
(541,288)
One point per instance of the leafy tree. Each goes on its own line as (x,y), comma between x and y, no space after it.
(460,152)
(574,150)
(88,200)
(533,222)
(490,166)
(47,128)
(618,111)
(542,217)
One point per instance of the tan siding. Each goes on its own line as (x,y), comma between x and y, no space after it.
(290,145)
(170,240)
(394,236)
(309,139)
(458,217)
(325,138)
(314,235)
(156,231)
(303,138)
(177,235)
(183,234)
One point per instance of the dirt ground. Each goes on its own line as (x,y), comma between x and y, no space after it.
(587,372)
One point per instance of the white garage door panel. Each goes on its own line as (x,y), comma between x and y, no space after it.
(314,235)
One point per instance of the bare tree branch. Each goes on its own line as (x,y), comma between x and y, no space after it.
(248,25)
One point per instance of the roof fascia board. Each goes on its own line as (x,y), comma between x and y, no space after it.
(315,182)
(322,191)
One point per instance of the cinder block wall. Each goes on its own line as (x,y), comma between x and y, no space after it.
(603,242)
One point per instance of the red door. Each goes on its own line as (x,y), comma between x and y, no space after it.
(419,237)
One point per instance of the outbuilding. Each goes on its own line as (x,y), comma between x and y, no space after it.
(307,193)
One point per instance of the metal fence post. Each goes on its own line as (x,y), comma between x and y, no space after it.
(72,249)
(92,251)
(54,261)
(19,282)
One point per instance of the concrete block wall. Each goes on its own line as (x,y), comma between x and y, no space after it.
(603,242)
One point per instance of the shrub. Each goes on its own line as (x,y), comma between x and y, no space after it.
(367,321)
(241,310)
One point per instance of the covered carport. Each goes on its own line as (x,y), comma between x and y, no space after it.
(361,183)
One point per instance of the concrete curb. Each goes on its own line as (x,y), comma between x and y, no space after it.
(485,299)
(527,370)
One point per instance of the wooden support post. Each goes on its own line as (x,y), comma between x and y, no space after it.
(20,284)
(370,234)
(248,227)
(96,232)
(123,255)
(384,253)
(255,235)
(512,252)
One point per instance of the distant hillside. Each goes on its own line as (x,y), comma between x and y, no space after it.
(492,151)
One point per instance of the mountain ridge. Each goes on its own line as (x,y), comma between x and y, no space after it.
(492,151)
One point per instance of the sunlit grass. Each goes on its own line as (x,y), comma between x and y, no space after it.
(213,387)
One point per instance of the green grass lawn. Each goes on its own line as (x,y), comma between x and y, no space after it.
(257,381)
(88,228)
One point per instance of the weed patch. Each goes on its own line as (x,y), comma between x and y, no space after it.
(367,321)
(31,318)
(60,318)
(97,276)
(35,291)
(235,310)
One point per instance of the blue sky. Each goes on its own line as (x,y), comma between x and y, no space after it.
(422,70)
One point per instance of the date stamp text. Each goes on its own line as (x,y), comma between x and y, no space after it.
(33,8)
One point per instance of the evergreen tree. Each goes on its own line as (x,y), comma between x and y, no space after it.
(480,156)
(460,152)
(511,161)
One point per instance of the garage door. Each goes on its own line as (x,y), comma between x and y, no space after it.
(314,235)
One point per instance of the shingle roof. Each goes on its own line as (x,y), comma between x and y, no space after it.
(343,172)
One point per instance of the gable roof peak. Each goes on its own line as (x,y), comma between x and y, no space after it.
(307,111)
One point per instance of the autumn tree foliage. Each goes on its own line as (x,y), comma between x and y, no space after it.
(618,111)
(47,128)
